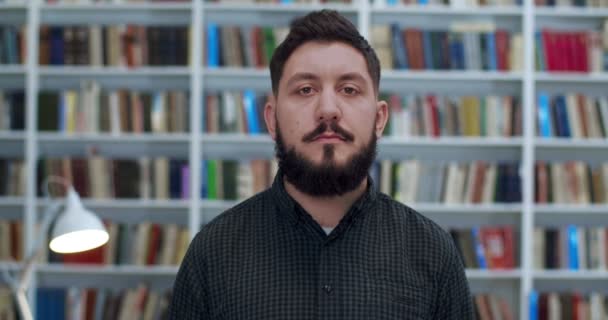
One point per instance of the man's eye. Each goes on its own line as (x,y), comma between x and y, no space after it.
(305,90)
(350,90)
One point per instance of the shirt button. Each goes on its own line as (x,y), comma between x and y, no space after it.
(327,288)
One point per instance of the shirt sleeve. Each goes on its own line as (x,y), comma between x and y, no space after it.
(189,292)
(455,301)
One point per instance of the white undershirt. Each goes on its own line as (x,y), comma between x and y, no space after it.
(327,229)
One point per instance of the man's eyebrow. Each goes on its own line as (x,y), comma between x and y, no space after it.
(301,76)
(354,76)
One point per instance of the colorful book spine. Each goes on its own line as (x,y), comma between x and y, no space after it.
(213,45)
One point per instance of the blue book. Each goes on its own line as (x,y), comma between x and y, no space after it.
(562,116)
(491,51)
(10,43)
(479,252)
(57,46)
(572,247)
(251,112)
(392,2)
(213,45)
(175,179)
(423,2)
(428,50)
(533,305)
(286,1)
(544,115)
(456,51)
(398,47)
(540,53)
(203,179)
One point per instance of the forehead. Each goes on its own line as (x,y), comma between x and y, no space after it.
(325,59)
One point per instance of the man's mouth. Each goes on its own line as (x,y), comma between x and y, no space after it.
(327,137)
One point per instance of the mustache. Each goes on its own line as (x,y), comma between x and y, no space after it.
(347,136)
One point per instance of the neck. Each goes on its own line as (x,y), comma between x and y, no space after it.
(326,211)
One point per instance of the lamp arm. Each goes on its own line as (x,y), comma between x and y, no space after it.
(19,286)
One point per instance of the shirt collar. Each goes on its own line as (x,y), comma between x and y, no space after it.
(296,214)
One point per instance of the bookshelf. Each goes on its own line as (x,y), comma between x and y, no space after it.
(199,79)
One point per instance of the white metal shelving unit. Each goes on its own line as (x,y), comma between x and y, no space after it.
(195,146)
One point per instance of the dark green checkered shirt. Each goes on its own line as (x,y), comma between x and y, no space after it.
(267,258)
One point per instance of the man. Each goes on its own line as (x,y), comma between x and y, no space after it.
(322,243)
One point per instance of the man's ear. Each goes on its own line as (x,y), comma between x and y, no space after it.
(270,111)
(381,117)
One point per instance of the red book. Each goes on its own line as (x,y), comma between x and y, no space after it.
(154,244)
(509,258)
(432,103)
(91,297)
(542,182)
(576,305)
(258,49)
(502,49)
(492,240)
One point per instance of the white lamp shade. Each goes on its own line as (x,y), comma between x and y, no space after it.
(77,229)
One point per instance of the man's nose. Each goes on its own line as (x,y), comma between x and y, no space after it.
(328,109)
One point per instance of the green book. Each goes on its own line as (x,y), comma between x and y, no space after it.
(212,179)
(269,44)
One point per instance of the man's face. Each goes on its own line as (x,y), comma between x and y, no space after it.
(326,113)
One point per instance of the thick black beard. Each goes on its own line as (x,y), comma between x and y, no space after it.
(326,179)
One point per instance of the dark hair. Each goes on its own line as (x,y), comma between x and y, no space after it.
(327,26)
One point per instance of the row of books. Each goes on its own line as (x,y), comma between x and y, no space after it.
(571,247)
(90,110)
(572,182)
(572,51)
(280,1)
(102,304)
(434,116)
(12,45)
(12,177)
(413,181)
(572,115)
(12,110)
(142,244)
(572,3)
(451,3)
(548,305)
(11,244)
(236,46)
(234,112)
(100,178)
(236,180)
(486,247)
(490,306)
(118,45)
(465,46)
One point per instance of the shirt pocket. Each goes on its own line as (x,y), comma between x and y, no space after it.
(390,300)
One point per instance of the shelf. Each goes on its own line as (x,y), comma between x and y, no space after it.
(564,149)
(267,14)
(236,78)
(13,13)
(134,211)
(237,146)
(566,280)
(477,274)
(573,77)
(125,145)
(146,78)
(12,144)
(571,12)
(12,76)
(106,13)
(156,277)
(11,208)
(506,17)
(558,215)
(560,275)
(452,82)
